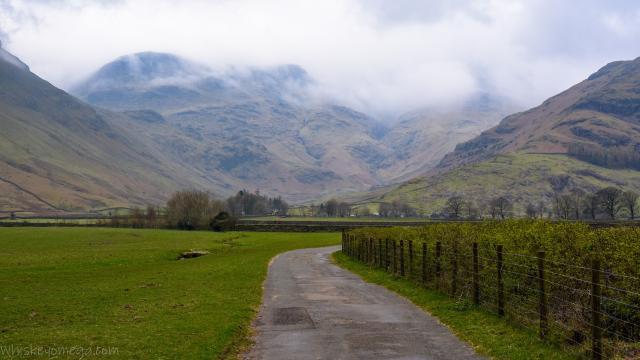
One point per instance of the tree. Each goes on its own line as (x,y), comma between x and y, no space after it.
(385,209)
(191,209)
(590,205)
(609,200)
(151,215)
(396,209)
(531,211)
(454,206)
(344,209)
(332,207)
(577,196)
(563,205)
(247,203)
(500,207)
(630,201)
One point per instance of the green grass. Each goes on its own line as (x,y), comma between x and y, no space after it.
(124,288)
(489,334)
(334,219)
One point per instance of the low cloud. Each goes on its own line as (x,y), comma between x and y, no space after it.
(382,57)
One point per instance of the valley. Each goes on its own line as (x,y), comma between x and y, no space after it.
(183,125)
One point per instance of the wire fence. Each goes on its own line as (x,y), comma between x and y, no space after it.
(590,309)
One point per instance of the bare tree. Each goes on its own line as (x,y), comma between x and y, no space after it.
(563,205)
(609,200)
(577,196)
(541,208)
(590,205)
(500,207)
(192,209)
(630,201)
(454,206)
(332,207)
(344,209)
(531,211)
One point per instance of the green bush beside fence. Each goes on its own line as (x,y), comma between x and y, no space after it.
(574,284)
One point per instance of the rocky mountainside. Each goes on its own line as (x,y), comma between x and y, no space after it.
(584,139)
(245,128)
(422,138)
(155,123)
(56,152)
(602,112)
(260,128)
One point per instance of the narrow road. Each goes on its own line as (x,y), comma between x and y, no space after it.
(313,309)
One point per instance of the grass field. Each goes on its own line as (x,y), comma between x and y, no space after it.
(335,219)
(489,334)
(125,290)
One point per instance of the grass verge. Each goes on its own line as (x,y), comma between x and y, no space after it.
(124,289)
(489,334)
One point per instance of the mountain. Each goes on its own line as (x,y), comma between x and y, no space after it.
(422,138)
(150,123)
(251,128)
(602,112)
(261,128)
(584,138)
(57,153)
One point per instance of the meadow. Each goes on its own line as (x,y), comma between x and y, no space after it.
(125,290)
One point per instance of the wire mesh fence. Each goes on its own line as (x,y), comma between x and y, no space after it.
(578,303)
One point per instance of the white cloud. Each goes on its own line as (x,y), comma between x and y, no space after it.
(384,57)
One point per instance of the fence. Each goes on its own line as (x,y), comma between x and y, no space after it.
(582,307)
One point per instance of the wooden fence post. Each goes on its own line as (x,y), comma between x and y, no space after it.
(476,275)
(500,282)
(424,263)
(379,252)
(393,253)
(454,271)
(410,258)
(372,253)
(438,260)
(596,324)
(401,257)
(386,254)
(543,310)
(343,242)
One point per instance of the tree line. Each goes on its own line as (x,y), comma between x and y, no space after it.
(194,209)
(607,203)
(618,157)
(335,208)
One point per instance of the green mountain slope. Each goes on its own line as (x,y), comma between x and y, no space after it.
(602,112)
(522,177)
(527,157)
(57,152)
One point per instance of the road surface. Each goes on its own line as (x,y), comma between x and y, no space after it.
(313,309)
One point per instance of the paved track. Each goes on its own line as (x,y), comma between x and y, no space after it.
(313,309)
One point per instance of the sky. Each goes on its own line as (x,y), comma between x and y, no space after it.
(384,57)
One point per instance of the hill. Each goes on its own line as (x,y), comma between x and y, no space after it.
(58,153)
(263,128)
(583,139)
(602,112)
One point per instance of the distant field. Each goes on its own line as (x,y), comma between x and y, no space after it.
(51,221)
(124,289)
(334,219)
